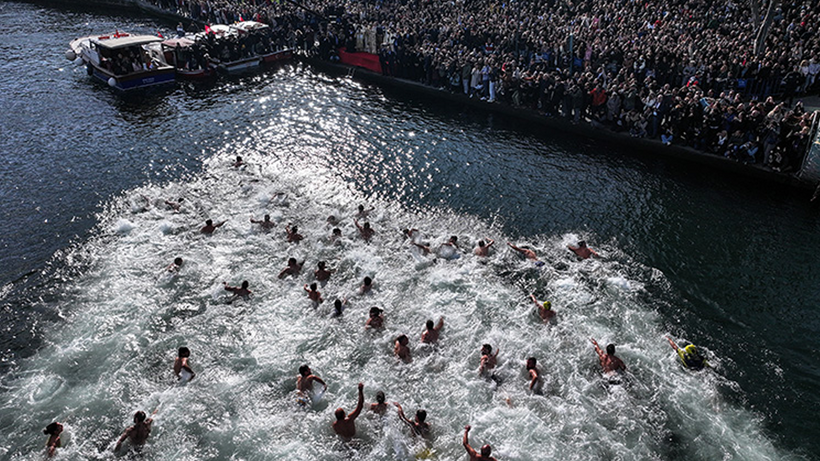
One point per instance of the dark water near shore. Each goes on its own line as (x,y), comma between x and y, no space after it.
(725,263)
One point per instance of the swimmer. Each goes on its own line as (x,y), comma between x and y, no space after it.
(380,407)
(367,285)
(544,309)
(338,307)
(345,425)
(609,362)
(293,234)
(488,359)
(210,227)
(53,432)
(174,205)
(430,335)
(182,370)
(321,273)
(138,433)
(401,350)
(175,266)
(333,220)
(452,242)
(265,223)
(425,250)
(483,249)
(418,425)
(535,375)
(411,234)
(335,235)
(362,213)
(375,320)
(365,231)
(294,268)
(240,291)
(486,450)
(689,356)
(305,380)
(528,253)
(238,163)
(313,294)
(583,251)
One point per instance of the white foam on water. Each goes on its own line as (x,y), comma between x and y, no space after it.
(125,321)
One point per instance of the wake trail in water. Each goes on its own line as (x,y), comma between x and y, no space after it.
(126,317)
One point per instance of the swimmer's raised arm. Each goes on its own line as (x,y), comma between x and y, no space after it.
(359,405)
(672,343)
(465,441)
(402,416)
(597,349)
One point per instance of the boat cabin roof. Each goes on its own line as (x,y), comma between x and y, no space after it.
(183,42)
(248,26)
(124,42)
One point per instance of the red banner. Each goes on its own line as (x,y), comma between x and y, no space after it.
(368,61)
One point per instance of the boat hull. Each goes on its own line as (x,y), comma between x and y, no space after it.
(136,80)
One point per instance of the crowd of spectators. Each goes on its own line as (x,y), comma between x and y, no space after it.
(684,72)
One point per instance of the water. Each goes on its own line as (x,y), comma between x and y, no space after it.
(91,323)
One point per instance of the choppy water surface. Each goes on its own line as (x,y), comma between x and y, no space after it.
(90,336)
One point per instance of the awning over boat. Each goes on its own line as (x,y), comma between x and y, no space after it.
(124,42)
(183,42)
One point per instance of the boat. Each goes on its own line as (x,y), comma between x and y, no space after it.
(241,46)
(124,61)
(190,62)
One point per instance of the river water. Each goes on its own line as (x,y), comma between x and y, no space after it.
(91,322)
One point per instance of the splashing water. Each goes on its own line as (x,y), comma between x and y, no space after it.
(126,317)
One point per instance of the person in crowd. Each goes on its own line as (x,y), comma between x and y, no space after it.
(362,212)
(483,249)
(238,162)
(431,332)
(609,361)
(418,425)
(266,224)
(689,356)
(306,379)
(293,234)
(345,424)
(364,230)
(313,294)
(322,273)
(528,253)
(238,292)
(488,360)
(402,350)
(379,407)
(582,251)
(293,268)
(210,227)
(544,309)
(374,319)
(53,431)
(175,266)
(182,370)
(534,375)
(367,285)
(486,450)
(138,433)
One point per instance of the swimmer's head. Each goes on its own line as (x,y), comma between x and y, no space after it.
(209,222)
(291,261)
(610,349)
(691,349)
(421,415)
(178,261)
(453,238)
(184,352)
(531,363)
(547,305)
(337,231)
(54,428)
(380,397)
(304,370)
(245,284)
(337,305)
(366,225)
(139,416)
(331,218)
(481,243)
(375,312)
(313,286)
(367,281)
(429,324)
(361,208)
(486,349)
(582,244)
(486,450)
(321,265)
(238,158)
(340,414)
(294,229)
(267,217)
(402,340)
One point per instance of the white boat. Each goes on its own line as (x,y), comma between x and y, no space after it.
(245,45)
(122,60)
